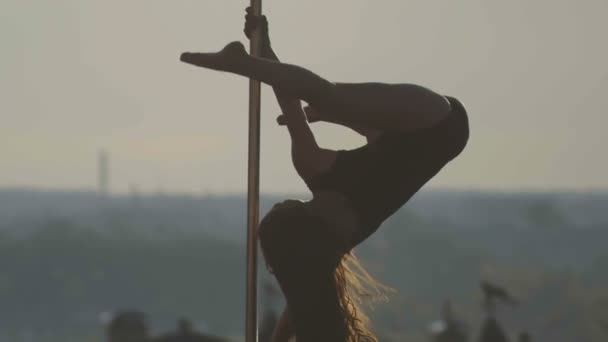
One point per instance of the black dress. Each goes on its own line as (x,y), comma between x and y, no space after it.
(380,177)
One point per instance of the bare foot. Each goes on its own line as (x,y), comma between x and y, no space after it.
(224,60)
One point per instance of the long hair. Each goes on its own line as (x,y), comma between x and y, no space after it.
(356,288)
(324,283)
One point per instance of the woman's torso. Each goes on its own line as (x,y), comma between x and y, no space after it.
(380,177)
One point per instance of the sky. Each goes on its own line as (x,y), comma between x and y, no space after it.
(77,77)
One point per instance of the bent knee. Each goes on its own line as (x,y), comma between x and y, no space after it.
(427,107)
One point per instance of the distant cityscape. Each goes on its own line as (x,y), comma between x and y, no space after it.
(71,257)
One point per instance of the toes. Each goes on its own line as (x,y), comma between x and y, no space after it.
(187,57)
(204,60)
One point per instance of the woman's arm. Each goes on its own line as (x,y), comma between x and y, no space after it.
(284,329)
(307,157)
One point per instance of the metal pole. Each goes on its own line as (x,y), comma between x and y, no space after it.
(253,190)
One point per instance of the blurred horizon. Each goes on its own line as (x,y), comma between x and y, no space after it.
(286,194)
(70,259)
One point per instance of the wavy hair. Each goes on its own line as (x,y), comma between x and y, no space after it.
(355,288)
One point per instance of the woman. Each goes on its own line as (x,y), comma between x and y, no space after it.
(412,132)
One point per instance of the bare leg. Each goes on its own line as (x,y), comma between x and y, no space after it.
(401,107)
(253,22)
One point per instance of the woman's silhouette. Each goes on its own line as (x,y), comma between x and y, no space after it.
(412,132)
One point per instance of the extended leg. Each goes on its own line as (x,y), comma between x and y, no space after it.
(252,23)
(402,107)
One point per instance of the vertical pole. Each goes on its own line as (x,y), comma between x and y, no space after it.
(253,190)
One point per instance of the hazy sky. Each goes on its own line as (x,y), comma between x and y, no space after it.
(77,76)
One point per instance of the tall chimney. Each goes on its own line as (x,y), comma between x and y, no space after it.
(103,173)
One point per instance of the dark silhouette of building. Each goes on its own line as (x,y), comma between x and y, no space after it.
(491,330)
(127,326)
(524,337)
(448,328)
(495,293)
(186,333)
(103,173)
(131,326)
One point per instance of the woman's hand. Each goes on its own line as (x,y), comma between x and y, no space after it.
(253,22)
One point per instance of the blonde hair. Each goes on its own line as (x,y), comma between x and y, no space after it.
(356,287)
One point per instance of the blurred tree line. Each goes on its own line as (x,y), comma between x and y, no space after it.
(57,282)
